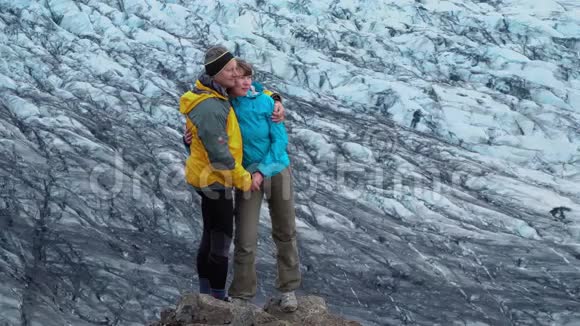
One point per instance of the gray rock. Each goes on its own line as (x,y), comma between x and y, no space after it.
(312,310)
(200,309)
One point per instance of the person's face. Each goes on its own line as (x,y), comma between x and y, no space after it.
(227,77)
(242,86)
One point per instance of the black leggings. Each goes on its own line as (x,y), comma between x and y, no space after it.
(218,225)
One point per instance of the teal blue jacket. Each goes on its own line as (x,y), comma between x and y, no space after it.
(264,141)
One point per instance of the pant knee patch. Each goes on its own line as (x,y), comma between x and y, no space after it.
(220,244)
(218,260)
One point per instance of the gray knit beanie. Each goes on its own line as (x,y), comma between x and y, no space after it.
(216,58)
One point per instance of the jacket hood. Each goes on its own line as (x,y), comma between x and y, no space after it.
(255,90)
(204,89)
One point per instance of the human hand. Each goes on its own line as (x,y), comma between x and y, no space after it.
(279,112)
(187,136)
(257,179)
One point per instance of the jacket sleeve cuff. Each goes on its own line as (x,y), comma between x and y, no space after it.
(276,97)
(263,170)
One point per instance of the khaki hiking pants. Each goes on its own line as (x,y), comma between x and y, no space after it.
(280,195)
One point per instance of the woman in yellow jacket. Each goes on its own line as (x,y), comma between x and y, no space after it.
(214,164)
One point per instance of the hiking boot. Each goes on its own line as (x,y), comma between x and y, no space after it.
(288,301)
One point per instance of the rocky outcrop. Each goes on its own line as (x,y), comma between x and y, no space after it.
(200,309)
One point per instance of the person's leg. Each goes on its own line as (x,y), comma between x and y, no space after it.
(280,194)
(203,250)
(220,221)
(247,218)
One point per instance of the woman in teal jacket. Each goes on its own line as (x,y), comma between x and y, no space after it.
(263,140)
(266,157)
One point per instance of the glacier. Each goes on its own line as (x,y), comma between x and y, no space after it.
(435,147)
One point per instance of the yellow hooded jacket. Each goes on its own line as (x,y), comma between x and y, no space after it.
(210,163)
